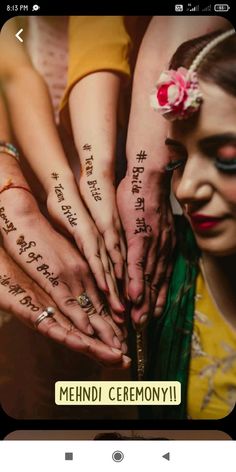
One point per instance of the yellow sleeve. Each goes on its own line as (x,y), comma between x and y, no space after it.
(96,43)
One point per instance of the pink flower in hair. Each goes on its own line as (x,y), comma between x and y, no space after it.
(177,94)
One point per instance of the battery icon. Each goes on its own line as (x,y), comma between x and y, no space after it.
(221,7)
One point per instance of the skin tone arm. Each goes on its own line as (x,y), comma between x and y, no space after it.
(26,300)
(55,265)
(39,140)
(93,109)
(147,221)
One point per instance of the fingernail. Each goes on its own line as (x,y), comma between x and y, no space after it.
(119,274)
(158,310)
(138,300)
(126,360)
(143,320)
(122,308)
(116,342)
(90,330)
(139,325)
(117,351)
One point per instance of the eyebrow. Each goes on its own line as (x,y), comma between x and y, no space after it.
(216,140)
(173,142)
(209,143)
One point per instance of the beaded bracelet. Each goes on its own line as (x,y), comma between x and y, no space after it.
(8,148)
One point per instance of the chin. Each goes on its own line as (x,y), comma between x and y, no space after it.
(218,247)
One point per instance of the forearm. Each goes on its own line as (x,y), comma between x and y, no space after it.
(10,171)
(93,109)
(33,124)
(147,129)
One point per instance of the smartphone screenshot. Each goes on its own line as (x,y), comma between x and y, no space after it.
(118,236)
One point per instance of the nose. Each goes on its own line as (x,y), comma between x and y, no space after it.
(194,185)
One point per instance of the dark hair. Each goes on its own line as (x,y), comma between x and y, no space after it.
(117,436)
(218,66)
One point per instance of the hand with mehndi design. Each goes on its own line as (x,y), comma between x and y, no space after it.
(55,264)
(46,156)
(67,210)
(94,133)
(148,229)
(23,298)
(51,260)
(149,232)
(106,217)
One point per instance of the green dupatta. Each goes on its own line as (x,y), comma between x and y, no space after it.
(169,337)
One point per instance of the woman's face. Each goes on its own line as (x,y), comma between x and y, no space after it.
(202,151)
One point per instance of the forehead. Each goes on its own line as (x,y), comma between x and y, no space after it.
(217,115)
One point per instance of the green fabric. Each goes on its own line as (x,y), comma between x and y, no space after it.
(169,337)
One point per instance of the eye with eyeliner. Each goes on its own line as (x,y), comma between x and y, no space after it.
(224,155)
(175,160)
(225,165)
(174,164)
(226,158)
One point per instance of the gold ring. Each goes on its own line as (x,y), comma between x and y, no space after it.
(83,300)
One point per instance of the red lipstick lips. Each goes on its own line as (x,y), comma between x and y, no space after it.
(204,222)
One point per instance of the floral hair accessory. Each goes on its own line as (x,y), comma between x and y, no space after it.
(177,94)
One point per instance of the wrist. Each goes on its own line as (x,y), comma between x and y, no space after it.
(12,178)
(104,170)
(106,176)
(8,165)
(62,176)
(152,171)
(17,200)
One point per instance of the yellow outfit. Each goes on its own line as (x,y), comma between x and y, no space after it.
(212,374)
(96,43)
(99,43)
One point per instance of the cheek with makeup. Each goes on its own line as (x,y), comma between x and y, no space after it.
(202,153)
(227,166)
(207,196)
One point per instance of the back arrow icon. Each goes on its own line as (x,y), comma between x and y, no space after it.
(17,35)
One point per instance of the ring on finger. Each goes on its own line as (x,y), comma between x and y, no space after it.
(85,303)
(48,312)
(83,300)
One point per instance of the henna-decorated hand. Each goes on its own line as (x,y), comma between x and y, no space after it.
(147,220)
(67,209)
(23,298)
(52,261)
(93,106)
(104,211)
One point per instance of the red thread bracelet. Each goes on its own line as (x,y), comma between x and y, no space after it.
(10,185)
